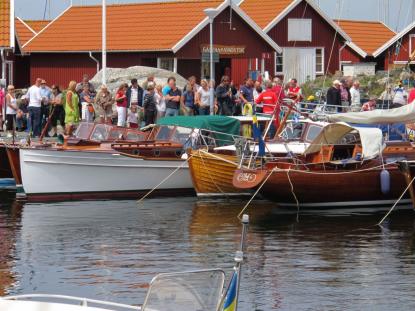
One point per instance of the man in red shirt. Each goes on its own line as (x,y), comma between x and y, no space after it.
(271,105)
(411,96)
(268,98)
(294,91)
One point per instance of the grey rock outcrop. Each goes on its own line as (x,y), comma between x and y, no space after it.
(116,76)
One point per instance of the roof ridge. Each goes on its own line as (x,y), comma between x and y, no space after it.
(25,24)
(145,3)
(356,20)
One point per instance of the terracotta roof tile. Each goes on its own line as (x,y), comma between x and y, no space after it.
(130,27)
(367,35)
(23,32)
(264,12)
(37,25)
(4,23)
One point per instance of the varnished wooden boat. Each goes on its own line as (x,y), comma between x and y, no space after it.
(333,176)
(5,169)
(325,188)
(212,173)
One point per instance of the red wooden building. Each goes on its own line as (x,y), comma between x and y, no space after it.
(310,40)
(169,35)
(367,36)
(399,50)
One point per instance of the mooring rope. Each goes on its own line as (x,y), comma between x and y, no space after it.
(164,180)
(396,203)
(293,193)
(256,192)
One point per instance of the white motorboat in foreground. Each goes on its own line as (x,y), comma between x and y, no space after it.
(184,291)
(84,174)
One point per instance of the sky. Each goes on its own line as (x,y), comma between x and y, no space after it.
(397,14)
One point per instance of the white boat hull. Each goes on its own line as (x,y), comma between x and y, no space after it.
(80,172)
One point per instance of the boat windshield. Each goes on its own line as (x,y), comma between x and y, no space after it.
(135,136)
(182,135)
(187,291)
(313,131)
(164,132)
(293,131)
(101,132)
(84,130)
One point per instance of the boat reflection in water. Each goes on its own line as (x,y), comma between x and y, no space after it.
(10,221)
(329,260)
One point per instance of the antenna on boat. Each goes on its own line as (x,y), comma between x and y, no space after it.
(229,300)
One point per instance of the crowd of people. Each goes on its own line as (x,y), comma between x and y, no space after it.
(345,95)
(132,105)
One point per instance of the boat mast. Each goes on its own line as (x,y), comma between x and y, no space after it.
(104,42)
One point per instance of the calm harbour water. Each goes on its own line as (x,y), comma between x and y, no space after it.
(111,249)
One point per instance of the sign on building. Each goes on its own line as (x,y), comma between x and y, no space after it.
(206,57)
(224,49)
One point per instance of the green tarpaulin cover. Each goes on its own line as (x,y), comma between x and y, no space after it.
(220,124)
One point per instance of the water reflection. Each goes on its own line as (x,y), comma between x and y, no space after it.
(10,216)
(112,249)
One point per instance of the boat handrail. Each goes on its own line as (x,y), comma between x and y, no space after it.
(84,301)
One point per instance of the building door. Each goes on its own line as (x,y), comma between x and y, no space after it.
(222,68)
(299,63)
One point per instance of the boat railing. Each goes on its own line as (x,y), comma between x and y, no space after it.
(84,302)
(211,138)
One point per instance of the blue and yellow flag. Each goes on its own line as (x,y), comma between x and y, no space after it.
(231,296)
(257,136)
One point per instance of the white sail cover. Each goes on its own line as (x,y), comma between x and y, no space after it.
(371,138)
(404,114)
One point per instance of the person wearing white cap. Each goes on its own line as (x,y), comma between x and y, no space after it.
(334,97)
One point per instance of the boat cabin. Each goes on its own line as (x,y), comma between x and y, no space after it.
(96,133)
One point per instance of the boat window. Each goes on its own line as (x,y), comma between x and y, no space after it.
(182,135)
(293,131)
(116,133)
(312,132)
(164,132)
(84,130)
(101,132)
(188,291)
(135,136)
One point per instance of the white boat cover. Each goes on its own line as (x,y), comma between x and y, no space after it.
(371,138)
(294,147)
(404,114)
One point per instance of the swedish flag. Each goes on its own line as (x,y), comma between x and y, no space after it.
(257,136)
(230,299)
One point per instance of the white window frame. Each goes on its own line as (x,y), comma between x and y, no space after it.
(322,60)
(290,35)
(170,59)
(279,73)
